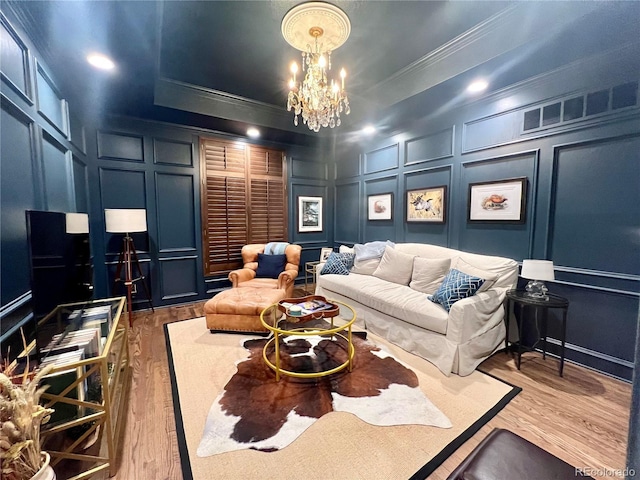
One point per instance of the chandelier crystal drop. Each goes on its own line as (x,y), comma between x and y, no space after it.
(317,100)
(316,28)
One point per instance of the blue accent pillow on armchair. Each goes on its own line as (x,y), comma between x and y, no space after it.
(338,264)
(456,286)
(270,266)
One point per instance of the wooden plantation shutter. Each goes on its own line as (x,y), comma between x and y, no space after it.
(243,200)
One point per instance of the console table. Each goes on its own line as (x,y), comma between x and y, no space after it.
(541,307)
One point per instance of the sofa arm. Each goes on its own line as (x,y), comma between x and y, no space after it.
(475,315)
(286,278)
(241,275)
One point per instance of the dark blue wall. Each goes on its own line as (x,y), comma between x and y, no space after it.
(583,177)
(42,156)
(144,164)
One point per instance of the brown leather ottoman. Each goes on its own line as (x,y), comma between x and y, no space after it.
(504,455)
(238,309)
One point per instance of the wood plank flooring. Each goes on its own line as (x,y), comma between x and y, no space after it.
(581,418)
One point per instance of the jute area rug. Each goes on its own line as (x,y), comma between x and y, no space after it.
(337,446)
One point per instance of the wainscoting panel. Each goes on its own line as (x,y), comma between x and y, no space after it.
(57,176)
(592,225)
(499,238)
(381,159)
(304,169)
(16,195)
(348,207)
(123,189)
(348,165)
(433,146)
(175,212)
(77,133)
(117,146)
(80,183)
(51,105)
(427,232)
(118,289)
(171,152)
(178,277)
(382,229)
(14,61)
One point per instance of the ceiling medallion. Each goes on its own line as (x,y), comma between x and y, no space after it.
(316,29)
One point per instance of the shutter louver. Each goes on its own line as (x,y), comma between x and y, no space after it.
(243,201)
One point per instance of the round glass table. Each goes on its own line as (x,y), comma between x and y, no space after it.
(333,325)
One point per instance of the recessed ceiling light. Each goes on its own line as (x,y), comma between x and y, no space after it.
(100,61)
(478,86)
(253,132)
(369,130)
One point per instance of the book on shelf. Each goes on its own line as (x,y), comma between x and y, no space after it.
(100,316)
(59,381)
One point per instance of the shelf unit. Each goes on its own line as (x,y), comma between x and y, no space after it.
(84,445)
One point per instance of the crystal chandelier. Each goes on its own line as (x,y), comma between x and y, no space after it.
(318,100)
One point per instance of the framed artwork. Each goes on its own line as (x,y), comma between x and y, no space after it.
(380,207)
(498,201)
(309,214)
(324,254)
(427,204)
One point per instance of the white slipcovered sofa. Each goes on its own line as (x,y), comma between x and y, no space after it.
(391,298)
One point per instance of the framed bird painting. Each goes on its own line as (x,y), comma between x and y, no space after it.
(501,201)
(427,204)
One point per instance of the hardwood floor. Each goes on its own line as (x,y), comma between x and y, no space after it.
(581,418)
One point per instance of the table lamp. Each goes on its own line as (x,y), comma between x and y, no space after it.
(536,271)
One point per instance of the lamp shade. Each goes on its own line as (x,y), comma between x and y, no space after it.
(76,223)
(537,270)
(125,220)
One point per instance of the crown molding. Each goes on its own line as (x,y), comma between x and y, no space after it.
(476,46)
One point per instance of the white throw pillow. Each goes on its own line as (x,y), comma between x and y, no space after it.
(465,267)
(345,249)
(363,265)
(395,267)
(428,273)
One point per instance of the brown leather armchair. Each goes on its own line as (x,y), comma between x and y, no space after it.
(246,276)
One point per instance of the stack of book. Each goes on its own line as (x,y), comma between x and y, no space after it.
(67,349)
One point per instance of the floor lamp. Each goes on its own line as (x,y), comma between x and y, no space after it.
(128,220)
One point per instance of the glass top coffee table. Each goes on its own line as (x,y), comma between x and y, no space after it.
(331,323)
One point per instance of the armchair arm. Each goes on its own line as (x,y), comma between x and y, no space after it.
(241,275)
(286,278)
(475,315)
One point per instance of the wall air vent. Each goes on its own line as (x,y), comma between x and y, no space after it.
(580,108)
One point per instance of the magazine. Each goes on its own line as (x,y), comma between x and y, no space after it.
(310,306)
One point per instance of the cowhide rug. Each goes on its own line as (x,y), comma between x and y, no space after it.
(254,411)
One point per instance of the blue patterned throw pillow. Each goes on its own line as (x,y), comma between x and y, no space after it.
(456,286)
(338,264)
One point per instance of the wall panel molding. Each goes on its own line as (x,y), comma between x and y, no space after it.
(382,159)
(51,106)
(17,77)
(175,211)
(433,146)
(178,277)
(120,146)
(164,150)
(309,170)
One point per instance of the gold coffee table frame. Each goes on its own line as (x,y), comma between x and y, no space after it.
(310,331)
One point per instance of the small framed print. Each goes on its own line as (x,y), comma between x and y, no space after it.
(309,214)
(498,201)
(427,204)
(324,254)
(380,207)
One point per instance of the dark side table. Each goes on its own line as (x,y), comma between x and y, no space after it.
(540,307)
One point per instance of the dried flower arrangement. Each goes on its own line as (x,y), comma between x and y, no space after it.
(20,419)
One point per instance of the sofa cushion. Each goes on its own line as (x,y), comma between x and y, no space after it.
(398,301)
(428,273)
(465,267)
(395,267)
(338,264)
(456,286)
(270,266)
